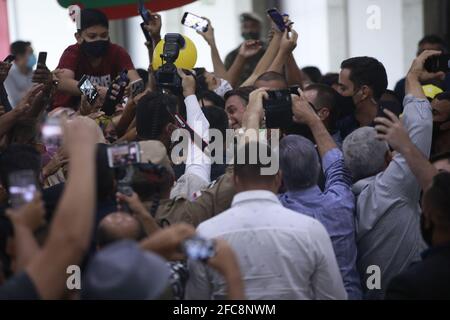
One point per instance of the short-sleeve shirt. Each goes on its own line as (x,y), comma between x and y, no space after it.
(115,61)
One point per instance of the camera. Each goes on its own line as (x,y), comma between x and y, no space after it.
(167,76)
(278,109)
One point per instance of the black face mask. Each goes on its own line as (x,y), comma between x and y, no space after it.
(251,35)
(95,49)
(427,232)
(346,106)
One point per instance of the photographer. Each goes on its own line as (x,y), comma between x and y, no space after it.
(93,55)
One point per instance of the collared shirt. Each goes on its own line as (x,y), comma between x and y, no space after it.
(17,84)
(282,254)
(334,208)
(387,210)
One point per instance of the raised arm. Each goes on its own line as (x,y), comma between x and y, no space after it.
(392,131)
(219,68)
(287,46)
(304,113)
(267,59)
(70,233)
(418,122)
(247,50)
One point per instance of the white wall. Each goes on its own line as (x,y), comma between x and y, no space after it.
(311,22)
(45,23)
(224,15)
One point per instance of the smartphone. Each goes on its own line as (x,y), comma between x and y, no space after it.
(438,63)
(22,187)
(87,89)
(52,132)
(137,87)
(10,58)
(197,248)
(122,155)
(278,109)
(42,58)
(277,18)
(195,22)
(145,14)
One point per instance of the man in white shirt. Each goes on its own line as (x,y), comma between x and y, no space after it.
(282,255)
(18,81)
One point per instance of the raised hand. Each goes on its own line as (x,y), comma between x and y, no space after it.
(249,48)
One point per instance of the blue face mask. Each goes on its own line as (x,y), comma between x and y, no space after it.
(31,61)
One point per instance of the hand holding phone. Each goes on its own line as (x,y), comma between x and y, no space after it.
(22,187)
(115,93)
(277,18)
(42,59)
(123,155)
(195,22)
(52,132)
(88,89)
(199,249)
(137,87)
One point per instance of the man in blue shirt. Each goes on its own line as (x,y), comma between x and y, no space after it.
(334,207)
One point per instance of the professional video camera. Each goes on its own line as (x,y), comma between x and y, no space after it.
(167,76)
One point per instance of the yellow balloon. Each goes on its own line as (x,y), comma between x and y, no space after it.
(186,60)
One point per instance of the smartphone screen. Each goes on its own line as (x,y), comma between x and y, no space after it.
(22,187)
(195,22)
(137,87)
(200,249)
(87,89)
(42,58)
(145,14)
(277,18)
(52,132)
(123,155)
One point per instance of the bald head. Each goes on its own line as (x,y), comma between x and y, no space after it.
(118,226)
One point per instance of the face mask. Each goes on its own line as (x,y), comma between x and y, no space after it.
(251,35)
(31,62)
(223,88)
(95,49)
(427,232)
(345,105)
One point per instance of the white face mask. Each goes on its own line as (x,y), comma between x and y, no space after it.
(223,88)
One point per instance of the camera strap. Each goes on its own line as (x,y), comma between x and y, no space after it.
(182,124)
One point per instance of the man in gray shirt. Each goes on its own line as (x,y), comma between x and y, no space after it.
(387,209)
(18,81)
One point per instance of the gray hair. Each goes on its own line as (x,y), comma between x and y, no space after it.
(299,163)
(364,154)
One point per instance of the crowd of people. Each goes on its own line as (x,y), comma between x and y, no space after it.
(359,208)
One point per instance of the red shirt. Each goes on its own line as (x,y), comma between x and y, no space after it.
(73,58)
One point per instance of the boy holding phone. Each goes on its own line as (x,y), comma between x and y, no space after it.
(93,55)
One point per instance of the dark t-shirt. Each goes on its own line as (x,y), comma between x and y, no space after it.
(73,58)
(19,287)
(249,66)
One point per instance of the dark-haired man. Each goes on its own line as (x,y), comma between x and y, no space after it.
(364,79)
(18,81)
(429,42)
(441,119)
(235,104)
(272,80)
(93,55)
